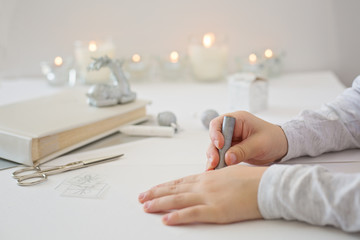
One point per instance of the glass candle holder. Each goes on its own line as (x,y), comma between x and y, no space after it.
(172,67)
(273,63)
(267,64)
(208,57)
(137,68)
(57,72)
(84,52)
(251,64)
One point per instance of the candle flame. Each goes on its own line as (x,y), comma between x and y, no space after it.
(208,40)
(174,57)
(268,53)
(252,58)
(58,61)
(136,58)
(92,46)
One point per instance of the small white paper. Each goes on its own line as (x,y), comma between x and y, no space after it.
(86,185)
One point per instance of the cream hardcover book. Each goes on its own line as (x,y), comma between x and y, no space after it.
(40,129)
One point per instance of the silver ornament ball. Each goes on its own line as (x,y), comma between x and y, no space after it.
(207,116)
(166,119)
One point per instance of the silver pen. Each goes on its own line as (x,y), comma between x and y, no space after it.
(227,131)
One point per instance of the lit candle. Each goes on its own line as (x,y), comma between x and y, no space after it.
(208,40)
(84,52)
(136,67)
(252,64)
(272,63)
(171,66)
(92,46)
(174,57)
(252,58)
(58,61)
(136,58)
(208,59)
(268,53)
(56,71)
(136,63)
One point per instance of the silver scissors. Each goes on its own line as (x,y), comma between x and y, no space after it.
(38,175)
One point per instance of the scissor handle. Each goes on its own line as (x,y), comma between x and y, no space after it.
(40,175)
(31,179)
(18,173)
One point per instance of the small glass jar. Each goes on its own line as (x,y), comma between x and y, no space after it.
(137,67)
(172,67)
(58,71)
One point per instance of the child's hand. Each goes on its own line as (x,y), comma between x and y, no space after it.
(221,196)
(255,141)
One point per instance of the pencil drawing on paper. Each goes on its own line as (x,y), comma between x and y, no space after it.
(84,186)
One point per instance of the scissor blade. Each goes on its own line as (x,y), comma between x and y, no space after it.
(101,159)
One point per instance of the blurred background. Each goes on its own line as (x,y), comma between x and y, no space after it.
(314,35)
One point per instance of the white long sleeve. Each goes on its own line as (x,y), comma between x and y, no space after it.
(335,127)
(311,193)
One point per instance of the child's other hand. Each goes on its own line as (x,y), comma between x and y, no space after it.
(222,196)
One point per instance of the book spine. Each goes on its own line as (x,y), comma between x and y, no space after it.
(16,148)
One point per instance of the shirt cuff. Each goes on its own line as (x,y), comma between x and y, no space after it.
(267,191)
(293,140)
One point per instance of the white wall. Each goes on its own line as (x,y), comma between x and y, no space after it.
(315,34)
(347,19)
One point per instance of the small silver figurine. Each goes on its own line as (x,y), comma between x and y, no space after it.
(103,95)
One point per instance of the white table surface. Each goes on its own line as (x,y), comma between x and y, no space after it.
(42,212)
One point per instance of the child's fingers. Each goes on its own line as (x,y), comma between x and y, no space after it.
(170,202)
(164,190)
(199,213)
(215,132)
(213,157)
(172,187)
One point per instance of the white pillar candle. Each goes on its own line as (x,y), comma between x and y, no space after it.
(209,58)
(84,52)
